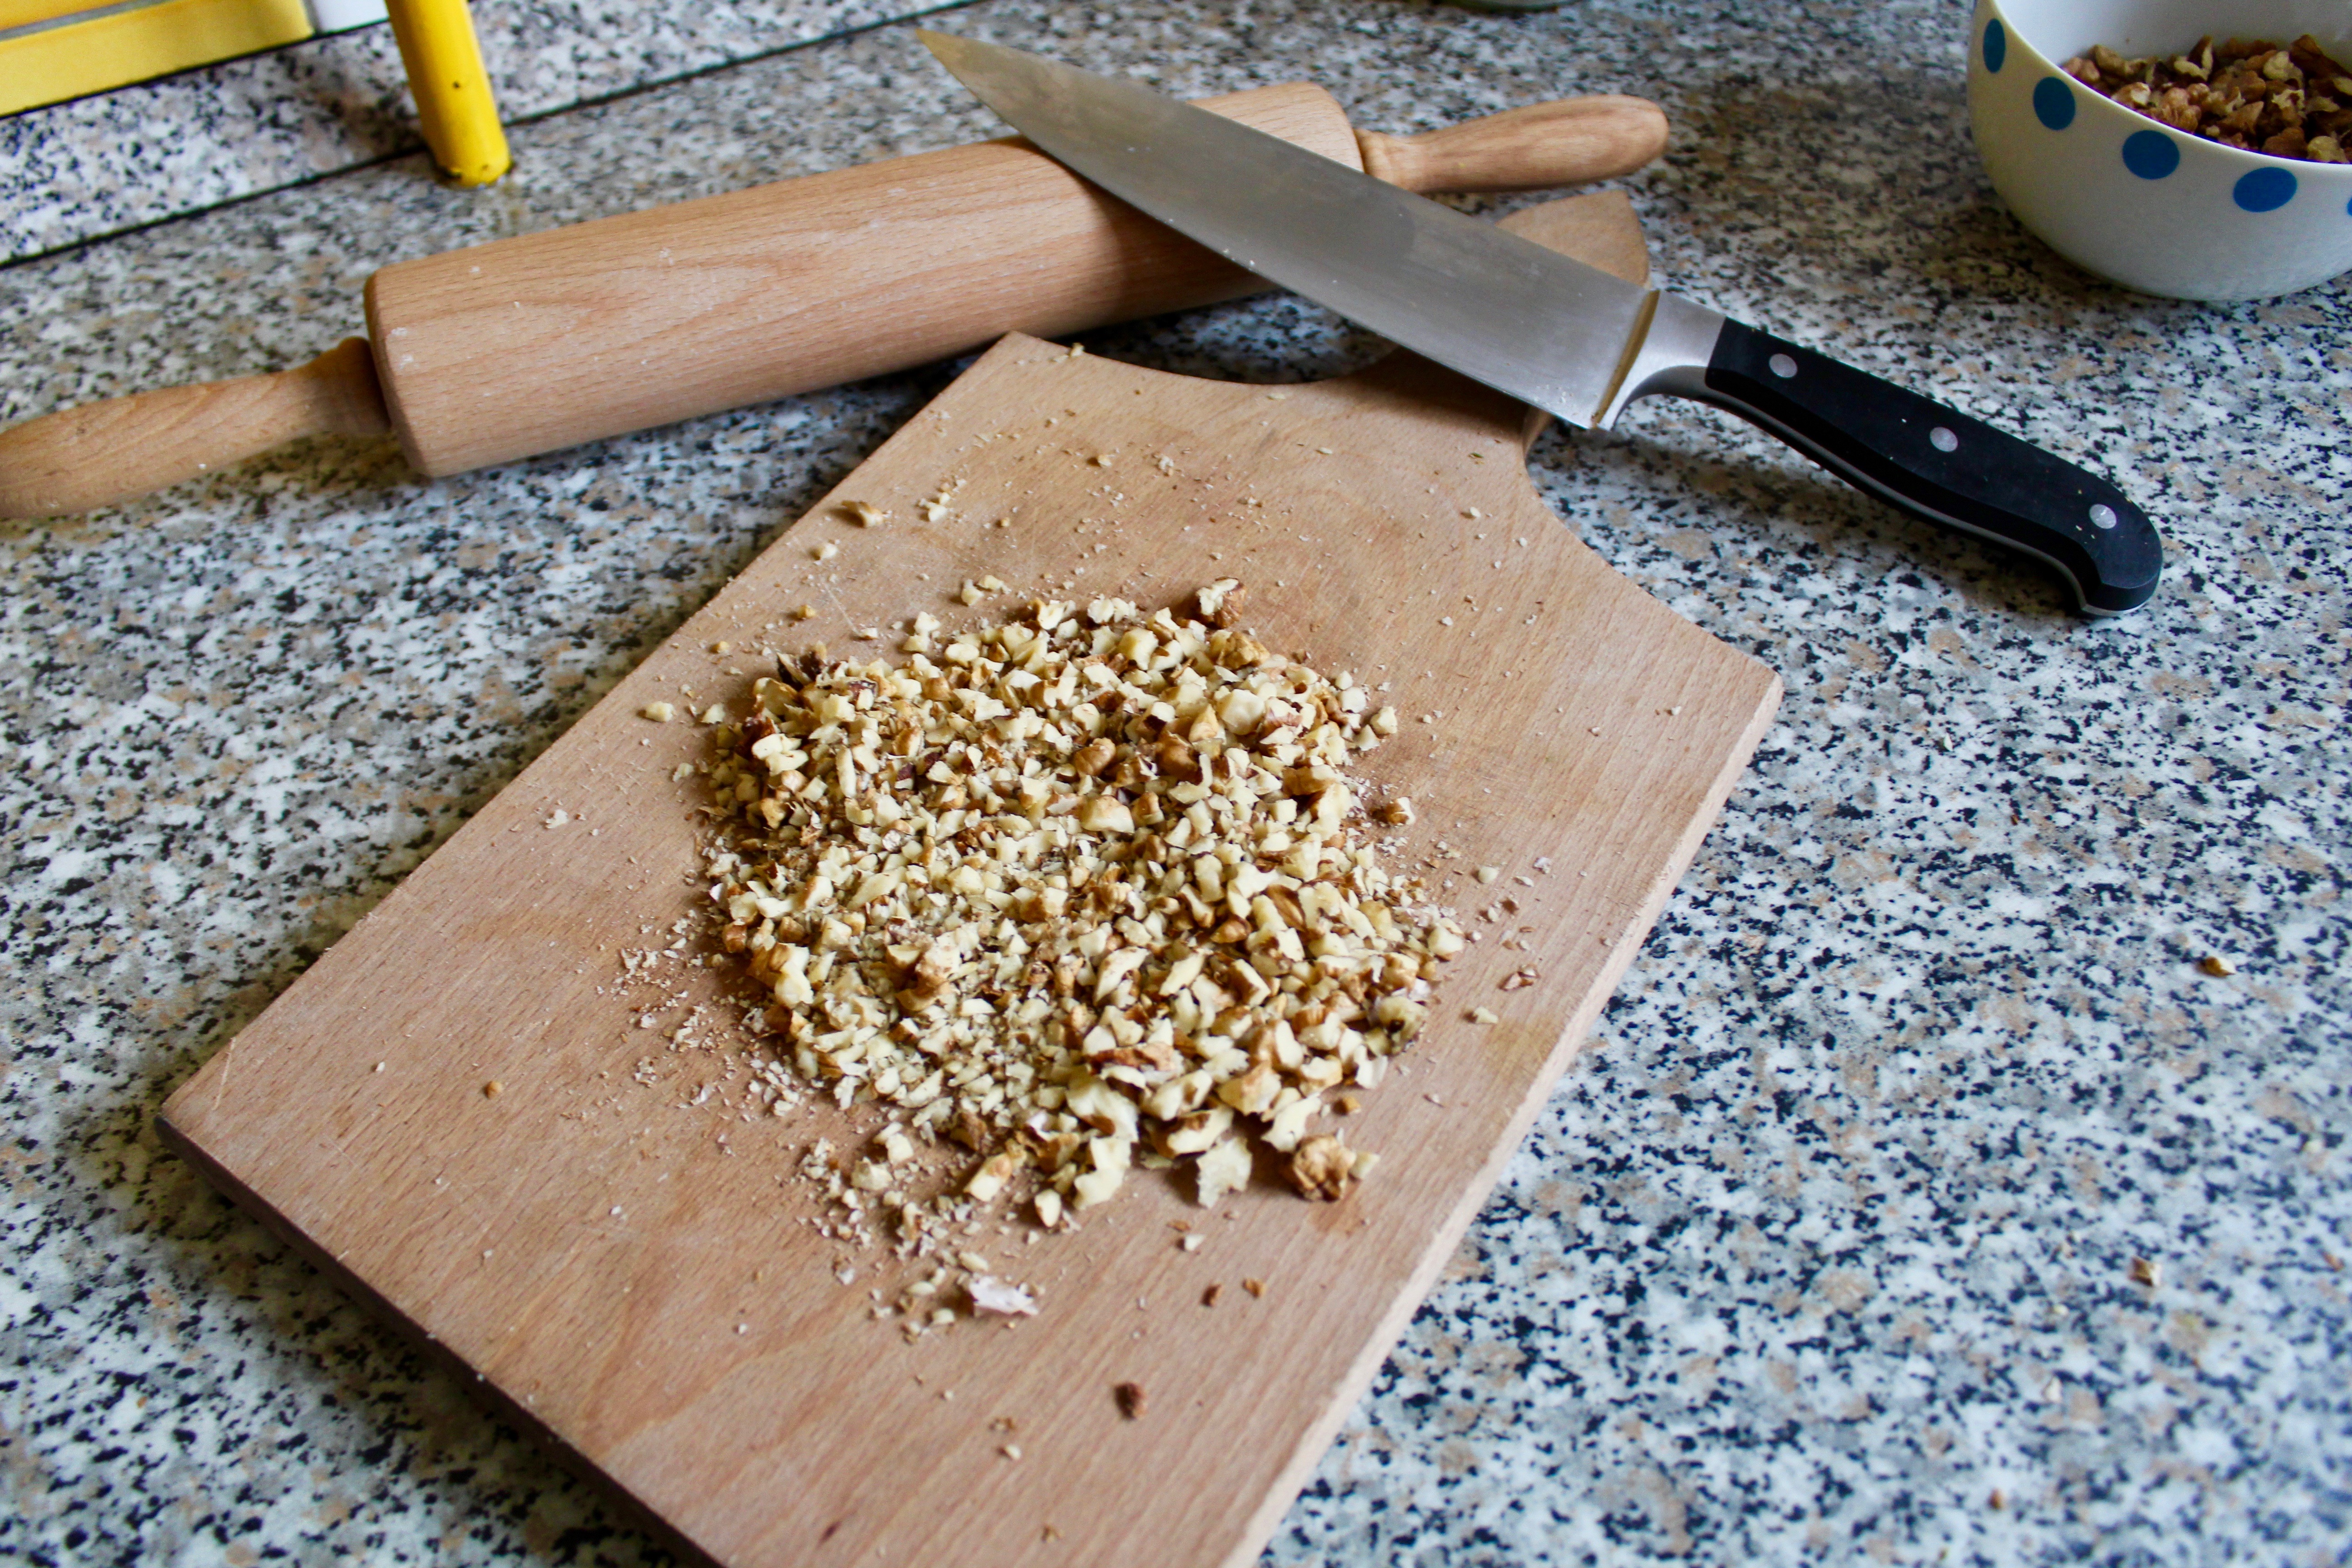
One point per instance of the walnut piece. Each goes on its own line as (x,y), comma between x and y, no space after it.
(1321,1168)
(1221,602)
(994,1297)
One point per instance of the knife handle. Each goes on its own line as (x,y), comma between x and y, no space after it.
(1570,142)
(1933,462)
(101,453)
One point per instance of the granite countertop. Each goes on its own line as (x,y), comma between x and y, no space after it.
(1921,1199)
(73,172)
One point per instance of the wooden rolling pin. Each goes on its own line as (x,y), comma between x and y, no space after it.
(547,340)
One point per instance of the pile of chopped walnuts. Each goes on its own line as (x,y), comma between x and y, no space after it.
(2290,100)
(1082,890)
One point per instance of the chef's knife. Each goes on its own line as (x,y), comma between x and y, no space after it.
(1567,338)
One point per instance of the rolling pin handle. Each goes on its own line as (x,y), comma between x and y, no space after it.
(1569,141)
(101,453)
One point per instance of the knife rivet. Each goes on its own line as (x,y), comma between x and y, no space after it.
(1943,440)
(2103,515)
(1782,366)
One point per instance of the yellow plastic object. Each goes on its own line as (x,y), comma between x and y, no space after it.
(452,90)
(75,59)
(25,13)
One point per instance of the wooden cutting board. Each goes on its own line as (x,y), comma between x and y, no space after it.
(633,1274)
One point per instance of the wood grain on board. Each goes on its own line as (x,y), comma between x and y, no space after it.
(632,1274)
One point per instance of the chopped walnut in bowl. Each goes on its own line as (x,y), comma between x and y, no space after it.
(2290,100)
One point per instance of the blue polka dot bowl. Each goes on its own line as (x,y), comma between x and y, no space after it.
(2135,201)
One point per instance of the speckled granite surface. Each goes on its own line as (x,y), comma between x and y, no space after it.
(1923,1201)
(97,165)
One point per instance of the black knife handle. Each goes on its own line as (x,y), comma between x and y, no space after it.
(1940,465)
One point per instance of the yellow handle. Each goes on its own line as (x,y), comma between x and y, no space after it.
(452,90)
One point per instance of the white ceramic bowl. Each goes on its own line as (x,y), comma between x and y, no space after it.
(2137,201)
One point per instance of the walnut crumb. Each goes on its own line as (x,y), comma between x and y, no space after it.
(492,1090)
(994,1297)
(1209,1296)
(2144,1271)
(1321,1168)
(1131,1400)
(1255,1288)
(1221,602)
(660,713)
(2213,963)
(864,514)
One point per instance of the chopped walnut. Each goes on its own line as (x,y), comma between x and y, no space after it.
(1221,602)
(998,1298)
(1087,889)
(2288,100)
(1321,1168)
(1225,1168)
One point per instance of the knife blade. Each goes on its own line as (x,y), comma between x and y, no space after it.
(1549,330)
